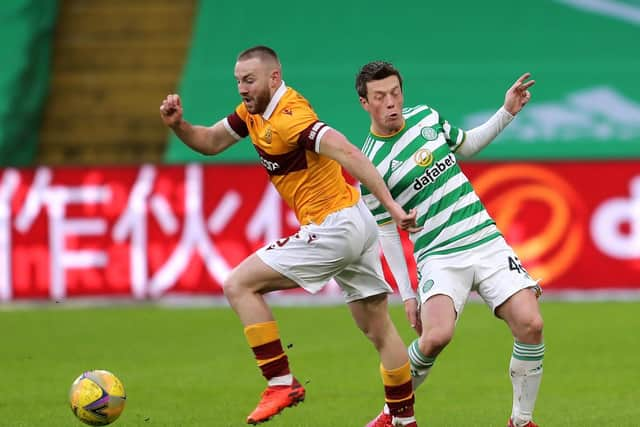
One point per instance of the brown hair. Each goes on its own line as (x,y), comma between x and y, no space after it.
(261,52)
(376,70)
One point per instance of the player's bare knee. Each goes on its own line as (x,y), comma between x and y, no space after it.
(376,340)
(228,289)
(232,288)
(375,337)
(529,329)
(377,331)
(536,325)
(434,340)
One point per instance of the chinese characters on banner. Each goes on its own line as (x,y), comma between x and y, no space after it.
(150,231)
(139,231)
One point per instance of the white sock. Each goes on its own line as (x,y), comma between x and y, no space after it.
(403,421)
(526,373)
(420,364)
(281,380)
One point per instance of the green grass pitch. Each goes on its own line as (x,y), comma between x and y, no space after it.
(192,367)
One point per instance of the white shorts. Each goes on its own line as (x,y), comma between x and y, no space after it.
(344,247)
(491,269)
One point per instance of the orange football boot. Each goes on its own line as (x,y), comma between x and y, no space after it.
(382,420)
(274,399)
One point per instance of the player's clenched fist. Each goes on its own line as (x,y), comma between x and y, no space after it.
(171,110)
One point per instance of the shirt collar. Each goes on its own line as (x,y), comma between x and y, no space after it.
(274,101)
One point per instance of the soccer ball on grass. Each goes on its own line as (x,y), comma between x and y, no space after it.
(97,397)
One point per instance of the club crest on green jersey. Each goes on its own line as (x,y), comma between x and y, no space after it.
(429,133)
(423,157)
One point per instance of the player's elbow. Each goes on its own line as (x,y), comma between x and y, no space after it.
(213,145)
(465,154)
(212,150)
(467,148)
(205,151)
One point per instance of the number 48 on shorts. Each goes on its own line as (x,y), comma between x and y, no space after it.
(515,264)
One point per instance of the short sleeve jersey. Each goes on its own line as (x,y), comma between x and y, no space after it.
(286,137)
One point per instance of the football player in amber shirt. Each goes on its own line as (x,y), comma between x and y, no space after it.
(337,238)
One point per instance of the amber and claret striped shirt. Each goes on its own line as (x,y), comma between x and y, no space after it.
(286,137)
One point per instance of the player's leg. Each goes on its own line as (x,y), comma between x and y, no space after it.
(443,287)
(438,315)
(512,295)
(247,283)
(244,289)
(522,314)
(309,259)
(372,317)
(365,290)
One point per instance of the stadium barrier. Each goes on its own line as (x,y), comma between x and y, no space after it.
(149,232)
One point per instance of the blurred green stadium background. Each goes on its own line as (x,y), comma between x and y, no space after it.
(458,56)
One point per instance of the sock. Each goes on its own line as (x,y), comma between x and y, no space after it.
(398,392)
(526,372)
(404,421)
(420,364)
(420,367)
(264,340)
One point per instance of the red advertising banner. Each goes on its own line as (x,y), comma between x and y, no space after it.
(142,232)
(575,225)
(151,231)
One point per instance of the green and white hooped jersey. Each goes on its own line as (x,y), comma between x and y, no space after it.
(419,167)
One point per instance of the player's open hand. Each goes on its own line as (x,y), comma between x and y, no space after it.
(518,94)
(171,110)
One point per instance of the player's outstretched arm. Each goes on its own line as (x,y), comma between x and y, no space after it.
(203,139)
(394,254)
(336,146)
(516,97)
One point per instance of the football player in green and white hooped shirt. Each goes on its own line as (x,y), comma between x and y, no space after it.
(458,249)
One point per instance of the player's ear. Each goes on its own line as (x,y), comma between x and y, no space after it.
(364,103)
(276,77)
